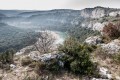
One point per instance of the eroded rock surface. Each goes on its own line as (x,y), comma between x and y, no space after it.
(93,40)
(112,47)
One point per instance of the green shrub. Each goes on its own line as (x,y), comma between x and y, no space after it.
(53,65)
(26,61)
(82,33)
(117,58)
(77,58)
(50,66)
(7,56)
(40,67)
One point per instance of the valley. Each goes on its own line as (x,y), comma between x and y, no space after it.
(60,44)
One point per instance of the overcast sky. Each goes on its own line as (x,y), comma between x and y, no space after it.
(56,4)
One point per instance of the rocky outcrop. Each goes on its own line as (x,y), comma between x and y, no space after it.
(93,40)
(104,73)
(98,12)
(95,12)
(112,47)
(98,26)
(114,13)
(45,57)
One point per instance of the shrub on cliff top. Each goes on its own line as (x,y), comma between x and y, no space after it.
(77,58)
(112,31)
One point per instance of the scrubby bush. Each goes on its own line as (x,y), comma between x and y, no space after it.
(40,67)
(77,58)
(117,58)
(53,65)
(112,31)
(82,33)
(26,61)
(101,53)
(50,66)
(7,56)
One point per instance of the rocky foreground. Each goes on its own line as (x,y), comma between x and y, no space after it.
(108,70)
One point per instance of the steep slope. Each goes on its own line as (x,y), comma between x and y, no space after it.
(11,37)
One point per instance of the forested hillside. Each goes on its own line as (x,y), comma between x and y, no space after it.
(12,37)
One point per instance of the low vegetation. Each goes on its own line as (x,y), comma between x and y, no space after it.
(41,67)
(82,33)
(116,58)
(26,61)
(6,58)
(112,31)
(77,58)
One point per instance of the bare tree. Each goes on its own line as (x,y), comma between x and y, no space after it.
(44,42)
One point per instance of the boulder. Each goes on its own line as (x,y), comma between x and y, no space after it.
(12,66)
(105,74)
(93,40)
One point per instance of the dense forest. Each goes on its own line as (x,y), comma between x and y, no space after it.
(12,37)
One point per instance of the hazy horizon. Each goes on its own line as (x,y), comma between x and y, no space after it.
(57,4)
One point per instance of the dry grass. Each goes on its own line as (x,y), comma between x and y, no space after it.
(105,60)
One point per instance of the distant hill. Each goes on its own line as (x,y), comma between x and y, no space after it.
(58,18)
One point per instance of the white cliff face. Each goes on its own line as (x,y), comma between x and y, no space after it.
(114,13)
(98,26)
(98,12)
(85,13)
(94,25)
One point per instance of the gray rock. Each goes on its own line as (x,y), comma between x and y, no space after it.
(93,40)
(12,66)
(112,47)
(105,74)
(45,57)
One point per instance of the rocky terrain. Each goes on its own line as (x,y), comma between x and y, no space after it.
(105,53)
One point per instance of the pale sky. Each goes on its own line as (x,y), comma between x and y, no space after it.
(56,4)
